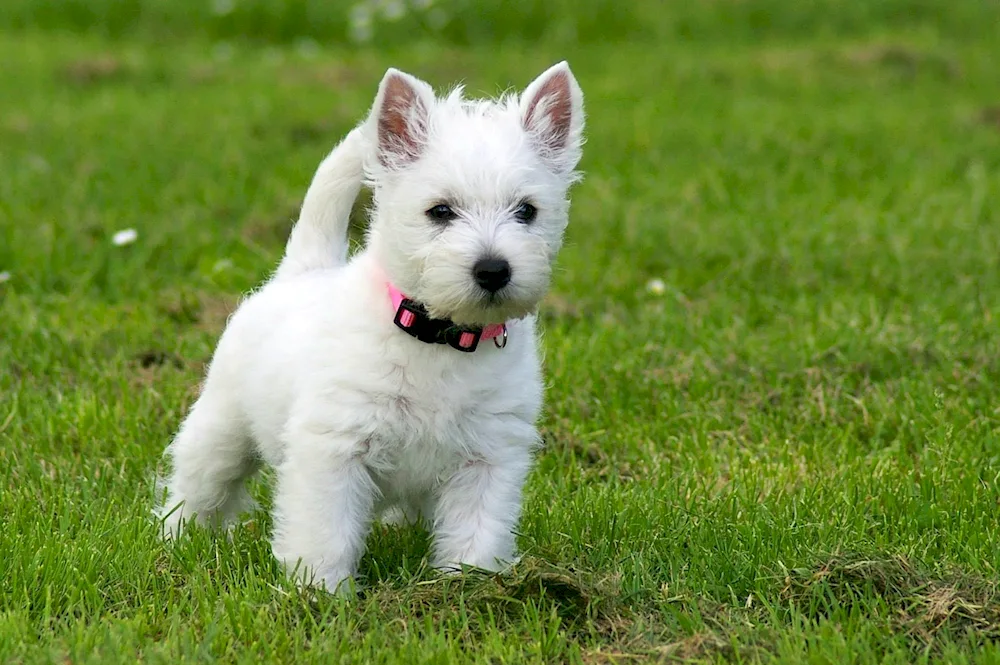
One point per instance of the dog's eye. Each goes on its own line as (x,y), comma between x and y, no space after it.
(441,213)
(525,213)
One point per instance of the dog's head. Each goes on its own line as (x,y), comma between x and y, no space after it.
(471,196)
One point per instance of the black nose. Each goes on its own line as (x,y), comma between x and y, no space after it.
(491,274)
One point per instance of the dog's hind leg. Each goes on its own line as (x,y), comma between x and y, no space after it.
(212,455)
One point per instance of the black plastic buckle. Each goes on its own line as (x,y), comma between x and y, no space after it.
(412,318)
(455,337)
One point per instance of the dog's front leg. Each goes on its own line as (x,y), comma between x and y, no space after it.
(323,508)
(477,510)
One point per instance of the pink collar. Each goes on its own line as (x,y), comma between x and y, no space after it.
(413,319)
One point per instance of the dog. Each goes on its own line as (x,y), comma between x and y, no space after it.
(405,380)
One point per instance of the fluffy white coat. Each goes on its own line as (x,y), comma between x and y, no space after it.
(312,377)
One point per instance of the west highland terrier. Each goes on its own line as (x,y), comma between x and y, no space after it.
(406,379)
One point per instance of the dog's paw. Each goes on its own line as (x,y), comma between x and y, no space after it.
(486,565)
(337,583)
(344,587)
(170,524)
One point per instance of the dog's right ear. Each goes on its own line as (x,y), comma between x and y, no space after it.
(400,117)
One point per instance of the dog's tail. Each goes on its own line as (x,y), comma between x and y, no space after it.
(319,238)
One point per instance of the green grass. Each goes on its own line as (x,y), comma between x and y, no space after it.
(791,452)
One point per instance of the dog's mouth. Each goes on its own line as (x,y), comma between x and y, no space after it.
(467,304)
(490,308)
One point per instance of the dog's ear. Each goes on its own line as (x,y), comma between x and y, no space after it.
(400,117)
(552,114)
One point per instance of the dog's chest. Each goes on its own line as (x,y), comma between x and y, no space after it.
(426,403)
(429,418)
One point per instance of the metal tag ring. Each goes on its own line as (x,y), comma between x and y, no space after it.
(501,344)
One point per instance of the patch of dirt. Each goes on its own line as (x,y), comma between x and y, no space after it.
(157,358)
(925,606)
(991,116)
(216,310)
(18,123)
(592,457)
(97,69)
(584,602)
(209,312)
(271,231)
(148,366)
(786,59)
(905,61)
(698,646)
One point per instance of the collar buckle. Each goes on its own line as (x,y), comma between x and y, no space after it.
(412,318)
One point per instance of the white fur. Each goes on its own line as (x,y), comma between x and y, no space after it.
(312,377)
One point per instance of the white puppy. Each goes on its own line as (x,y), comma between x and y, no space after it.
(408,376)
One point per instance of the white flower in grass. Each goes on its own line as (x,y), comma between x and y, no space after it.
(124,237)
(223,7)
(656,287)
(4,276)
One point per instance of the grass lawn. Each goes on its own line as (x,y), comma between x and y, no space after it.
(772,429)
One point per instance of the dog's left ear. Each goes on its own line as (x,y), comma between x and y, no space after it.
(552,114)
